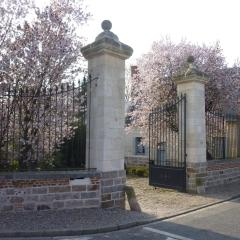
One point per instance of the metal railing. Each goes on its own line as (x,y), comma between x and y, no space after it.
(222,135)
(42,127)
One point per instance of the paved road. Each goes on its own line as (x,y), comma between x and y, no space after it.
(220,222)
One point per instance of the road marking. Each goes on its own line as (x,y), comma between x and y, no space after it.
(73,238)
(169,238)
(171,235)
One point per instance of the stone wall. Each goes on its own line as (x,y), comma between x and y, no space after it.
(201,176)
(136,160)
(61,190)
(196,177)
(112,189)
(222,172)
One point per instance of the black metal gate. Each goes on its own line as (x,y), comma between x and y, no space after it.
(167,145)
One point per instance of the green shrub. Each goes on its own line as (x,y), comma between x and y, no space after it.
(140,171)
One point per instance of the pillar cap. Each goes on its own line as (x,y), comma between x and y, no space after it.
(107,43)
(191,73)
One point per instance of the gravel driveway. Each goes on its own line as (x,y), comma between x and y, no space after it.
(162,202)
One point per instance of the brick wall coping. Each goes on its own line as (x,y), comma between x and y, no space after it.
(223,164)
(48,174)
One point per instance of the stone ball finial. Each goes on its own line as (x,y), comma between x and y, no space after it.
(192,69)
(190,59)
(106,25)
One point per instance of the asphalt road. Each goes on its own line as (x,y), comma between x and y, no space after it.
(219,222)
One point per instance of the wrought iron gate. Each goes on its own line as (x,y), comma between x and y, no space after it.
(167,145)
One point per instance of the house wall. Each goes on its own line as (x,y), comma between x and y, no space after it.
(129,141)
(136,160)
(131,159)
(232,139)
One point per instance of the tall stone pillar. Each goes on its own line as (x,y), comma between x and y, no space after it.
(105,119)
(192,83)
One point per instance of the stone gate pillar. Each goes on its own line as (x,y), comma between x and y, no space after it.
(106,111)
(192,83)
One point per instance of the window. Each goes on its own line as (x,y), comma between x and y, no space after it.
(161,152)
(139,147)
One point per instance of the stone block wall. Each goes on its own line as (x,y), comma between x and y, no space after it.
(112,189)
(222,172)
(202,176)
(58,190)
(137,160)
(196,177)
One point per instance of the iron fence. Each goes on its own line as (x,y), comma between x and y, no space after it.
(42,127)
(222,135)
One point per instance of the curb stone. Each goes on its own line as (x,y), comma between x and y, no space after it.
(58,233)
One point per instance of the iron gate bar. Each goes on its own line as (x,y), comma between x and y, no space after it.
(216,132)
